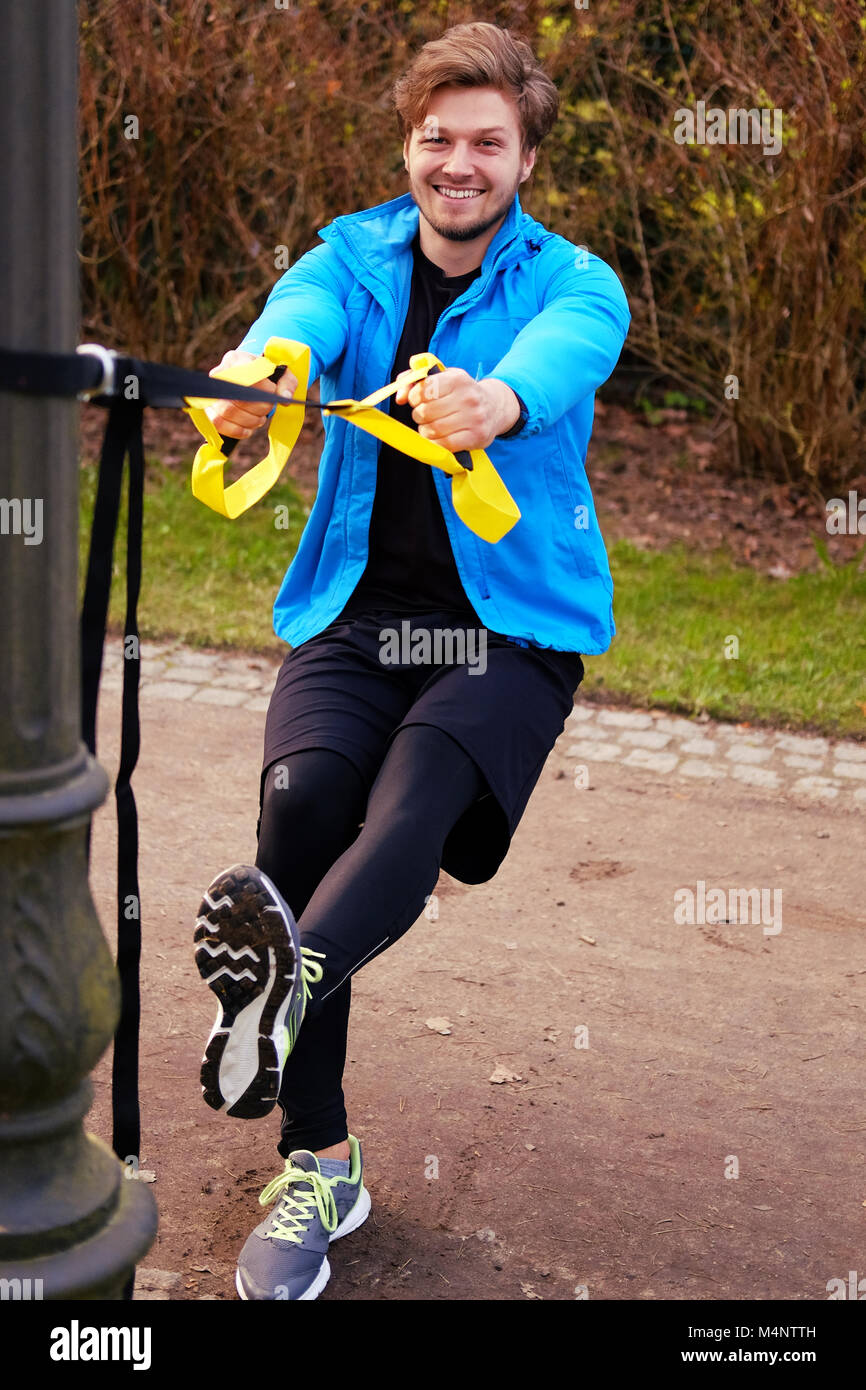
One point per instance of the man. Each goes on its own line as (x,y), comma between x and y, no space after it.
(378,771)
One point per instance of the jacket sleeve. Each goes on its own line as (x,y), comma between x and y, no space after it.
(308,303)
(571,346)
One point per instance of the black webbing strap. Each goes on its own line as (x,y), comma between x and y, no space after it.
(126,1135)
(149,383)
(122,435)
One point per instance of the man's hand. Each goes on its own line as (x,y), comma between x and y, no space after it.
(239,419)
(459,412)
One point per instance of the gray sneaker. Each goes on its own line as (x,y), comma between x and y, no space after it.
(285,1257)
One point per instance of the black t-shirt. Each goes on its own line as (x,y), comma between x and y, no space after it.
(410,565)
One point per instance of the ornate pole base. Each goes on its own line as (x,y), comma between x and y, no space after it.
(71,1224)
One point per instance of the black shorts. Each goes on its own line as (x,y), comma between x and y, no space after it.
(350,688)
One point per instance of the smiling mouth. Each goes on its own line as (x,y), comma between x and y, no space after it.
(458,195)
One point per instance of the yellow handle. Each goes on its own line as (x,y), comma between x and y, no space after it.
(480,497)
(285,425)
(394,432)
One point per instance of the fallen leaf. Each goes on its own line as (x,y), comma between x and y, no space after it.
(590,940)
(501,1073)
(438,1025)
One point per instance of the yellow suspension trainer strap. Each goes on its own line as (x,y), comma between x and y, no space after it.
(480,497)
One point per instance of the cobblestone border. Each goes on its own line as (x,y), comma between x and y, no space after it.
(798,765)
(697,750)
(174,672)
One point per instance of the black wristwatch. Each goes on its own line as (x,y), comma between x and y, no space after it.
(521,420)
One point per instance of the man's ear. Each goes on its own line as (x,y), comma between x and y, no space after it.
(528,165)
(406,153)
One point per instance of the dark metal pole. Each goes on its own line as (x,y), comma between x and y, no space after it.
(67,1216)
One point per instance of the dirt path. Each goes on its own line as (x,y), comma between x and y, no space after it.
(603,1166)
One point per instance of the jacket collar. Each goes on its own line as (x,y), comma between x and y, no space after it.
(368,240)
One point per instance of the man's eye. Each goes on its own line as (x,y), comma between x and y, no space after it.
(433,140)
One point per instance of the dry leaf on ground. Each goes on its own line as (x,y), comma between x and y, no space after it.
(501,1074)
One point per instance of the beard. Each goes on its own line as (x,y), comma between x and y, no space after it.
(461,231)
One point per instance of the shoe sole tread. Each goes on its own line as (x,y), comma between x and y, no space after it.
(244,949)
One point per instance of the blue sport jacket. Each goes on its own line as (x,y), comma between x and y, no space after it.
(545,316)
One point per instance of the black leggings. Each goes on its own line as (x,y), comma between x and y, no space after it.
(353,892)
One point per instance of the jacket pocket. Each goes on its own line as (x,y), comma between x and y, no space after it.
(582,542)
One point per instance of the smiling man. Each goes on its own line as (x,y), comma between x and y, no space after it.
(377,773)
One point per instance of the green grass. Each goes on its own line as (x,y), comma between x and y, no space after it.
(802,641)
(205,579)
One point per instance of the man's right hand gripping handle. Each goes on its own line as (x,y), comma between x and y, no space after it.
(239,419)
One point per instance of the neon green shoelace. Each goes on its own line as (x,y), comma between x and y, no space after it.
(311,973)
(296,1209)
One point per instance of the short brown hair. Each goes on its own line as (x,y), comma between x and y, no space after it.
(479,55)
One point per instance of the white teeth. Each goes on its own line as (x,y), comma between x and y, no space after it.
(460,192)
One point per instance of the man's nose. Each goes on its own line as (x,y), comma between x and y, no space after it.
(459,162)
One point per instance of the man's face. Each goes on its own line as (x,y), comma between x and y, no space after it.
(468,146)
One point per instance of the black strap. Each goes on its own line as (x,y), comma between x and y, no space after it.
(147,383)
(123,433)
(126,1137)
(48,373)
